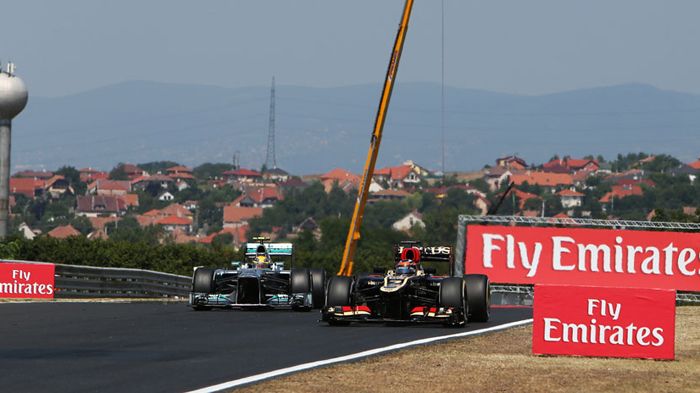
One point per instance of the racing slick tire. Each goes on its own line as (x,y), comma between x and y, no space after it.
(452,294)
(300,282)
(339,292)
(318,287)
(478,297)
(203,282)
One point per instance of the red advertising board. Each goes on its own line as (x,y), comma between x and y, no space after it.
(606,322)
(26,280)
(600,257)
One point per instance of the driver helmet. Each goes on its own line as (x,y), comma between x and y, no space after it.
(261,261)
(406,267)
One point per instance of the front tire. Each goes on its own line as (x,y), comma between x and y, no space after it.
(339,294)
(478,297)
(453,295)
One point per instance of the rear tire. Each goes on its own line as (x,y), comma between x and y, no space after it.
(300,281)
(318,287)
(478,297)
(453,295)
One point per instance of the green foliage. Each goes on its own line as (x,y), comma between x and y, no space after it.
(211,170)
(623,163)
(82,224)
(171,258)
(72,175)
(10,249)
(118,173)
(129,230)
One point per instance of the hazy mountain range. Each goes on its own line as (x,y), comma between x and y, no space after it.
(322,128)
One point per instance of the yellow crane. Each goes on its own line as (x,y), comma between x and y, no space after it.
(346,265)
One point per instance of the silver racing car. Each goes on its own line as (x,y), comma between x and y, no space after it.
(261,281)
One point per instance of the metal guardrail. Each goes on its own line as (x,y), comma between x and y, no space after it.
(74,281)
(524,295)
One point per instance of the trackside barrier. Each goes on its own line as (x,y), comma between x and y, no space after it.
(73,281)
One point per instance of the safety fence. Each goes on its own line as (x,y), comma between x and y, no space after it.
(104,282)
(524,295)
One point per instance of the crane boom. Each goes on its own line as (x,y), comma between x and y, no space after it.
(346,265)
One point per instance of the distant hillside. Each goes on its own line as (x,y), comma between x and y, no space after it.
(319,129)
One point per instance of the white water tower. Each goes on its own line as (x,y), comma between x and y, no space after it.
(13,98)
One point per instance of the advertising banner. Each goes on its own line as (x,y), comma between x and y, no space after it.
(26,280)
(599,257)
(601,321)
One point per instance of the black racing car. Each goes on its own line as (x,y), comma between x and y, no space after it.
(259,282)
(409,293)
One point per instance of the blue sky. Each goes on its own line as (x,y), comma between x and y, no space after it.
(515,46)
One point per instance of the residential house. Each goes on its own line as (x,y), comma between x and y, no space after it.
(570,198)
(165,196)
(511,162)
(497,177)
(109,187)
(686,170)
(180,173)
(132,171)
(100,205)
(29,187)
(342,178)
(407,222)
(174,223)
(310,225)
(157,180)
(259,197)
(237,216)
(621,191)
(243,176)
(695,164)
(523,197)
(547,180)
(407,175)
(276,175)
(88,175)
(63,232)
(131,200)
(58,185)
(570,165)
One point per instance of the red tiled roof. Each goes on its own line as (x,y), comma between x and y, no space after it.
(619,192)
(234,214)
(152,178)
(242,172)
(100,204)
(25,186)
(113,185)
(98,223)
(130,199)
(63,232)
(173,220)
(570,193)
(175,209)
(562,215)
(131,169)
(260,194)
(179,169)
(542,178)
(340,174)
(145,220)
(396,172)
(695,164)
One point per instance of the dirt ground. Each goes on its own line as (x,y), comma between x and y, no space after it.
(501,362)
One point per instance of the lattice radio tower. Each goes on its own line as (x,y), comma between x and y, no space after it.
(270,159)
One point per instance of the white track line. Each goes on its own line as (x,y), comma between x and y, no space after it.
(320,363)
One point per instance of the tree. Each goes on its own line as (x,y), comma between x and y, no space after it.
(157,166)
(210,170)
(118,173)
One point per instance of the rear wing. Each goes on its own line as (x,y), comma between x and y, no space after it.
(272,249)
(427,253)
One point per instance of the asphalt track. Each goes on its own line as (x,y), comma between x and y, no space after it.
(166,347)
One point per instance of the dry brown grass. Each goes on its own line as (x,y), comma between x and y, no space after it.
(501,362)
